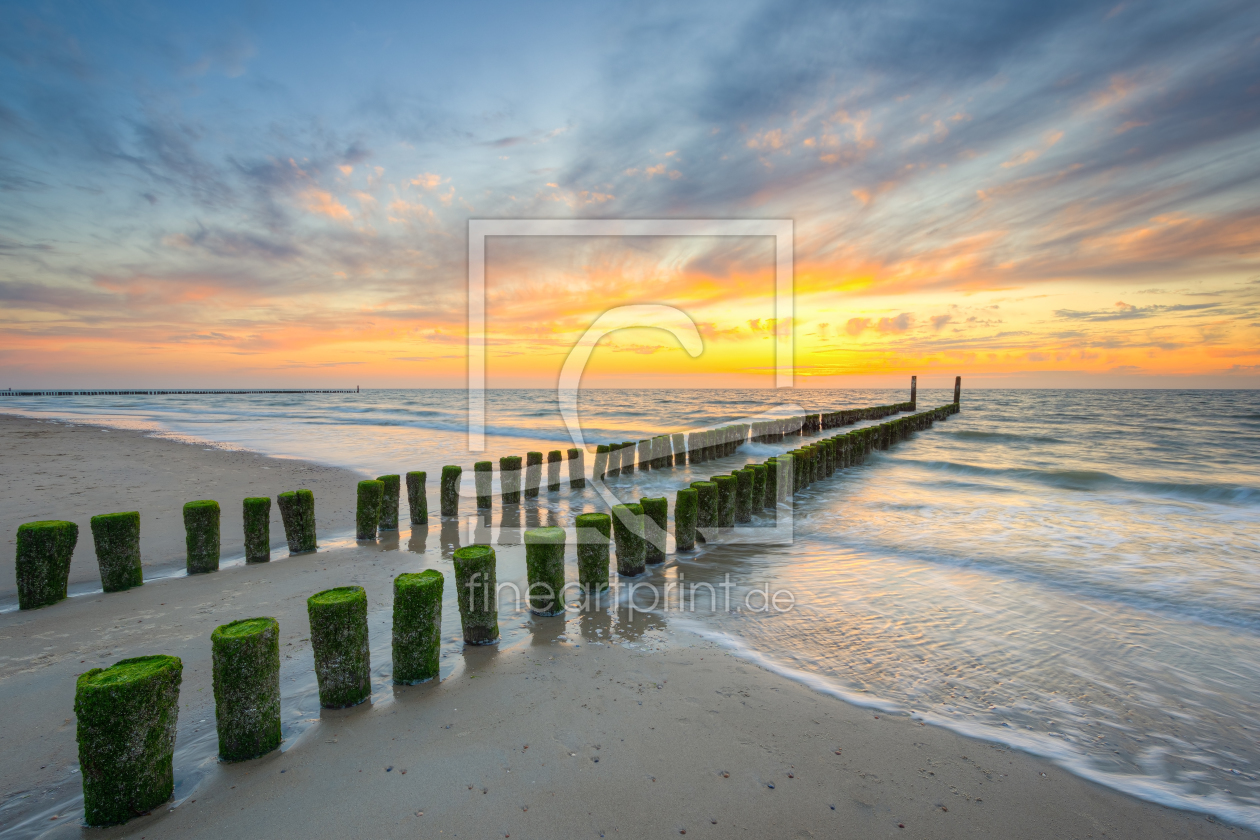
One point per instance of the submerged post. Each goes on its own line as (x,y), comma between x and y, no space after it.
(126,718)
(417,626)
(339,636)
(476,586)
(201,536)
(417,498)
(655,523)
(450,490)
(256,512)
(245,660)
(44,550)
(297,511)
(389,502)
(544,569)
(368,510)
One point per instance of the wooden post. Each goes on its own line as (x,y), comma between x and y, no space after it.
(957,389)
(914,388)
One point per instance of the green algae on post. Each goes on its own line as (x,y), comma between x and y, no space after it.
(256,512)
(117,540)
(577,469)
(476,586)
(533,474)
(450,490)
(601,462)
(686,505)
(368,511)
(680,448)
(126,732)
(655,523)
(245,659)
(555,458)
(759,472)
(417,626)
(417,498)
(544,568)
(627,523)
(297,511)
(339,636)
(44,550)
(510,479)
(743,495)
(726,486)
(483,480)
(627,457)
(201,536)
(593,532)
(706,508)
(389,502)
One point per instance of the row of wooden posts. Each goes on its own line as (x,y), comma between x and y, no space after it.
(136,701)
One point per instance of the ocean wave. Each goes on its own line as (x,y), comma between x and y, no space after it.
(1093,481)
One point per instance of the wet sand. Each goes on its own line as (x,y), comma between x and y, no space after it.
(652,733)
(59,471)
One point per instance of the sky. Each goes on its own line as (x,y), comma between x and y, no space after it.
(278,195)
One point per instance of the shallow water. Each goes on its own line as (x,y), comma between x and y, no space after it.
(1071,572)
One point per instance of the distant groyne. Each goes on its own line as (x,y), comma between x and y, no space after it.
(155,392)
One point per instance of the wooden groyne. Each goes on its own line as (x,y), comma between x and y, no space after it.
(158,392)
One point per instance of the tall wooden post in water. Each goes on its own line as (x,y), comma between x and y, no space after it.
(914,392)
(957,389)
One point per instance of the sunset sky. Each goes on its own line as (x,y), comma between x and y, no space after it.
(249,195)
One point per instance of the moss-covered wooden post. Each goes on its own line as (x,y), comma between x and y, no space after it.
(368,511)
(201,536)
(577,468)
(601,462)
(627,523)
(706,508)
(245,660)
(339,636)
(417,626)
(476,586)
(544,569)
(679,441)
(449,492)
(417,497)
(593,533)
(256,512)
(743,495)
(533,474)
(117,540)
(297,511)
(126,718)
(686,505)
(510,479)
(483,478)
(44,550)
(758,487)
(555,459)
(772,484)
(655,525)
(627,457)
(726,486)
(389,502)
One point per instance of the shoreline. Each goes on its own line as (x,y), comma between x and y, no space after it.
(665,747)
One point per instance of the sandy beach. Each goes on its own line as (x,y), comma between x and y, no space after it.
(57,470)
(548,734)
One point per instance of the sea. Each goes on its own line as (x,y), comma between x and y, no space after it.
(1074,573)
